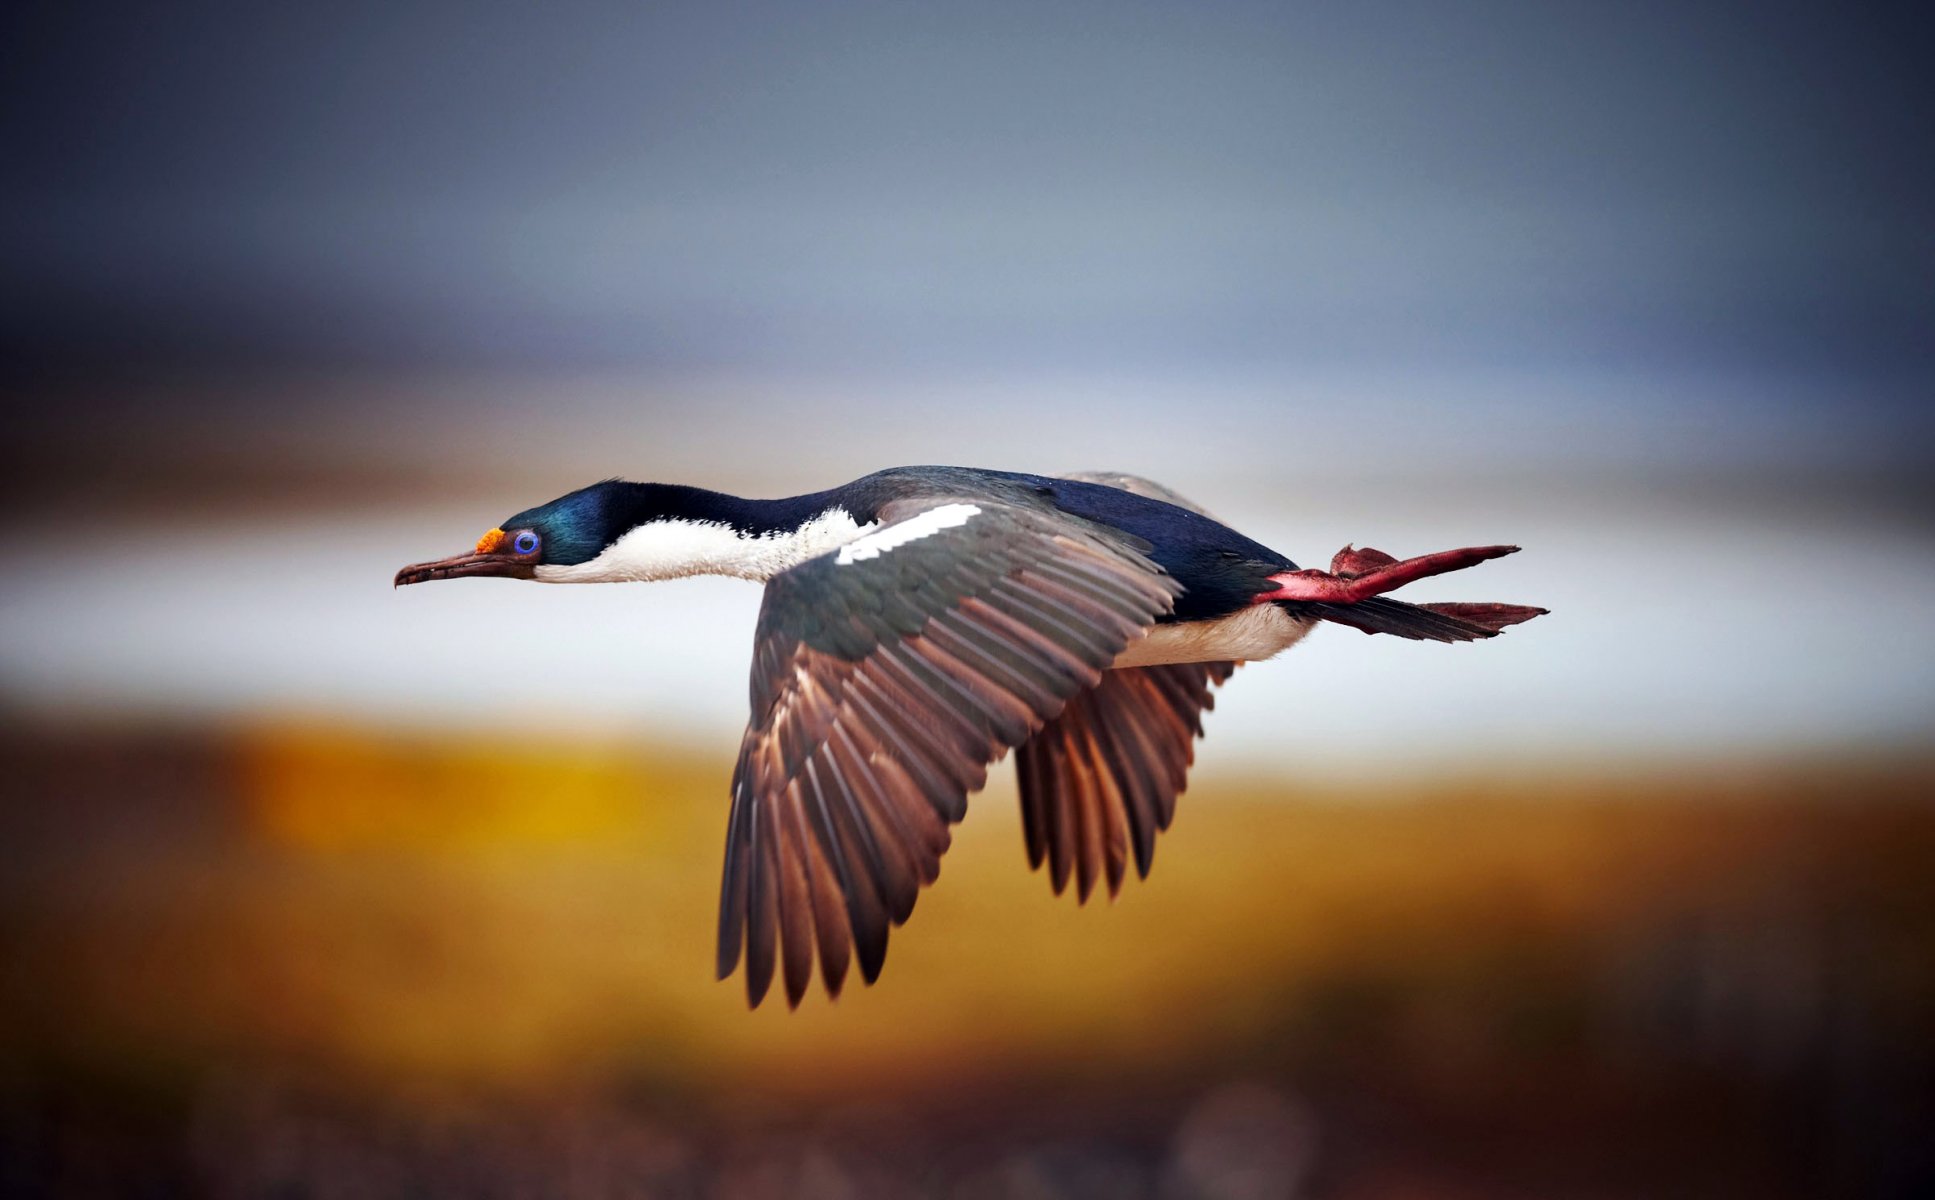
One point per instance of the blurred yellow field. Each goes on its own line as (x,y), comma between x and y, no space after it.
(434,909)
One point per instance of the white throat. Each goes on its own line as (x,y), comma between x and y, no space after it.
(673,549)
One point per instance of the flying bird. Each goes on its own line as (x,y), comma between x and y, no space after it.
(920,622)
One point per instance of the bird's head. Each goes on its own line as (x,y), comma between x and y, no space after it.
(539,543)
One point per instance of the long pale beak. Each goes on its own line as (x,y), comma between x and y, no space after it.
(490,558)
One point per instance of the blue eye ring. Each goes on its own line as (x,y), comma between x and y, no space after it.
(525,542)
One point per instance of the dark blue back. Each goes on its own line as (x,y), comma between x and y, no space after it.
(1222,570)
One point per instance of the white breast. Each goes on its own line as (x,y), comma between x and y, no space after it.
(1258,632)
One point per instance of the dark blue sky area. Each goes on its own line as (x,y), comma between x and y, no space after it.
(861,187)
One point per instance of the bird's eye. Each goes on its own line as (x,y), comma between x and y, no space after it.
(525,542)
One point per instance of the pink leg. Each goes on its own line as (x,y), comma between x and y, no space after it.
(1357,575)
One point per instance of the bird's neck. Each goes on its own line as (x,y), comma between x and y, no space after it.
(679,531)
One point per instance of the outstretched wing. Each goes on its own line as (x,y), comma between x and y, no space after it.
(1102,777)
(886,676)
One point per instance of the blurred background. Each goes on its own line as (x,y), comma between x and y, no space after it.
(313,888)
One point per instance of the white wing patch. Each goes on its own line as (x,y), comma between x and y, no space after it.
(918,526)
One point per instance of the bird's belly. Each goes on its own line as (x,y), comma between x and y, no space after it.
(1255,633)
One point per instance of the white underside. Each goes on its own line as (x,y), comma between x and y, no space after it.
(1258,632)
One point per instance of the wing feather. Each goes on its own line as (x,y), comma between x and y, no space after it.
(1101,779)
(883,686)
(762,914)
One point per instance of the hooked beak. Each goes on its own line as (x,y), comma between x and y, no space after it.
(490,558)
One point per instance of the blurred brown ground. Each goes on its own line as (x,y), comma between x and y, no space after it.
(324,961)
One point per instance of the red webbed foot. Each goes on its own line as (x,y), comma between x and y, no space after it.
(1489,616)
(1357,575)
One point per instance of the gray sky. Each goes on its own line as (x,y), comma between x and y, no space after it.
(851,186)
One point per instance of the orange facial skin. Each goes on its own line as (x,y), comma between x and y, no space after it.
(491,543)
